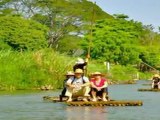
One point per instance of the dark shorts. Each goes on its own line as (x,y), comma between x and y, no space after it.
(155,86)
(99,93)
(63,92)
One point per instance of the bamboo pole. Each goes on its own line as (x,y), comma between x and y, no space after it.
(91,36)
(91,30)
(150,66)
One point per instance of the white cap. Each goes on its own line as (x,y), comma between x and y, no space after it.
(79,61)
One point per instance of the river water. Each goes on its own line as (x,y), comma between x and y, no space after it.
(29,105)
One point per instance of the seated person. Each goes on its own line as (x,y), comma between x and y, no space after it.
(77,86)
(99,87)
(68,75)
(156,82)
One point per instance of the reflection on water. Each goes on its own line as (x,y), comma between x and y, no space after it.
(86,113)
(30,106)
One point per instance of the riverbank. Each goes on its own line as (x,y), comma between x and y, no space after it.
(36,69)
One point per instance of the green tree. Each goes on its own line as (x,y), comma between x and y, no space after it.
(150,47)
(116,41)
(150,55)
(21,34)
(66,18)
(63,17)
(120,16)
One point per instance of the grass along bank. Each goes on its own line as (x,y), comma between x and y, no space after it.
(31,70)
(27,70)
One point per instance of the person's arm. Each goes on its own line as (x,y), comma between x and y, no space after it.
(105,85)
(92,85)
(69,83)
(87,82)
(86,60)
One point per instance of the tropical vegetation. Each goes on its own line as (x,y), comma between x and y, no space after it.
(41,39)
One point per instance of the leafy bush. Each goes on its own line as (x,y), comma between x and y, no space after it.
(145,75)
(21,34)
(123,73)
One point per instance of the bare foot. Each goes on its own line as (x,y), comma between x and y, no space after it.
(104,99)
(85,100)
(69,100)
(94,100)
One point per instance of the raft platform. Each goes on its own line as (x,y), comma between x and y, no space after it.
(147,84)
(149,89)
(54,99)
(98,103)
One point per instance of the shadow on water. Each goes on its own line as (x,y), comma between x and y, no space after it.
(28,105)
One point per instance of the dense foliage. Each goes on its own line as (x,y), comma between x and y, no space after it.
(20,34)
(116,41)
(119,41)
(73,27)
(63,17)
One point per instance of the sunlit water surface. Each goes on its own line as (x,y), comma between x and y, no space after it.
(30,106)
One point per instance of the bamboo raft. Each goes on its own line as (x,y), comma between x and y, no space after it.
(54,99)
(98,103)
(149,89)
(149,84)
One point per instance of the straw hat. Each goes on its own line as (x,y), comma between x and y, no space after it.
(70,73)
(79,61)
(156,75)
(78,71)
(97,73)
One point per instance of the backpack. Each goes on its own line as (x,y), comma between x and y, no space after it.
(83,81)
(64,89)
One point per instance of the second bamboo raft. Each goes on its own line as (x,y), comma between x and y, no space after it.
(149,89)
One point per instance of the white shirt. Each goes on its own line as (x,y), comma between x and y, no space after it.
(77,82)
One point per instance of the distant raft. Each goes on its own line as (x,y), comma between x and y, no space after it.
(147,84)
(54,99)
(98,103)
(149,89)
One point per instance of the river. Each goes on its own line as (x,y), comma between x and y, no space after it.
(29,105)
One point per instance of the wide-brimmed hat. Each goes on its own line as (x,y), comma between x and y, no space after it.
(97,73)
(79,61)
(156,75)
(70,73)
(78,71)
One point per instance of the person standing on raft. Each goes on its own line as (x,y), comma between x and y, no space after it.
(156,81)
(81,64)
